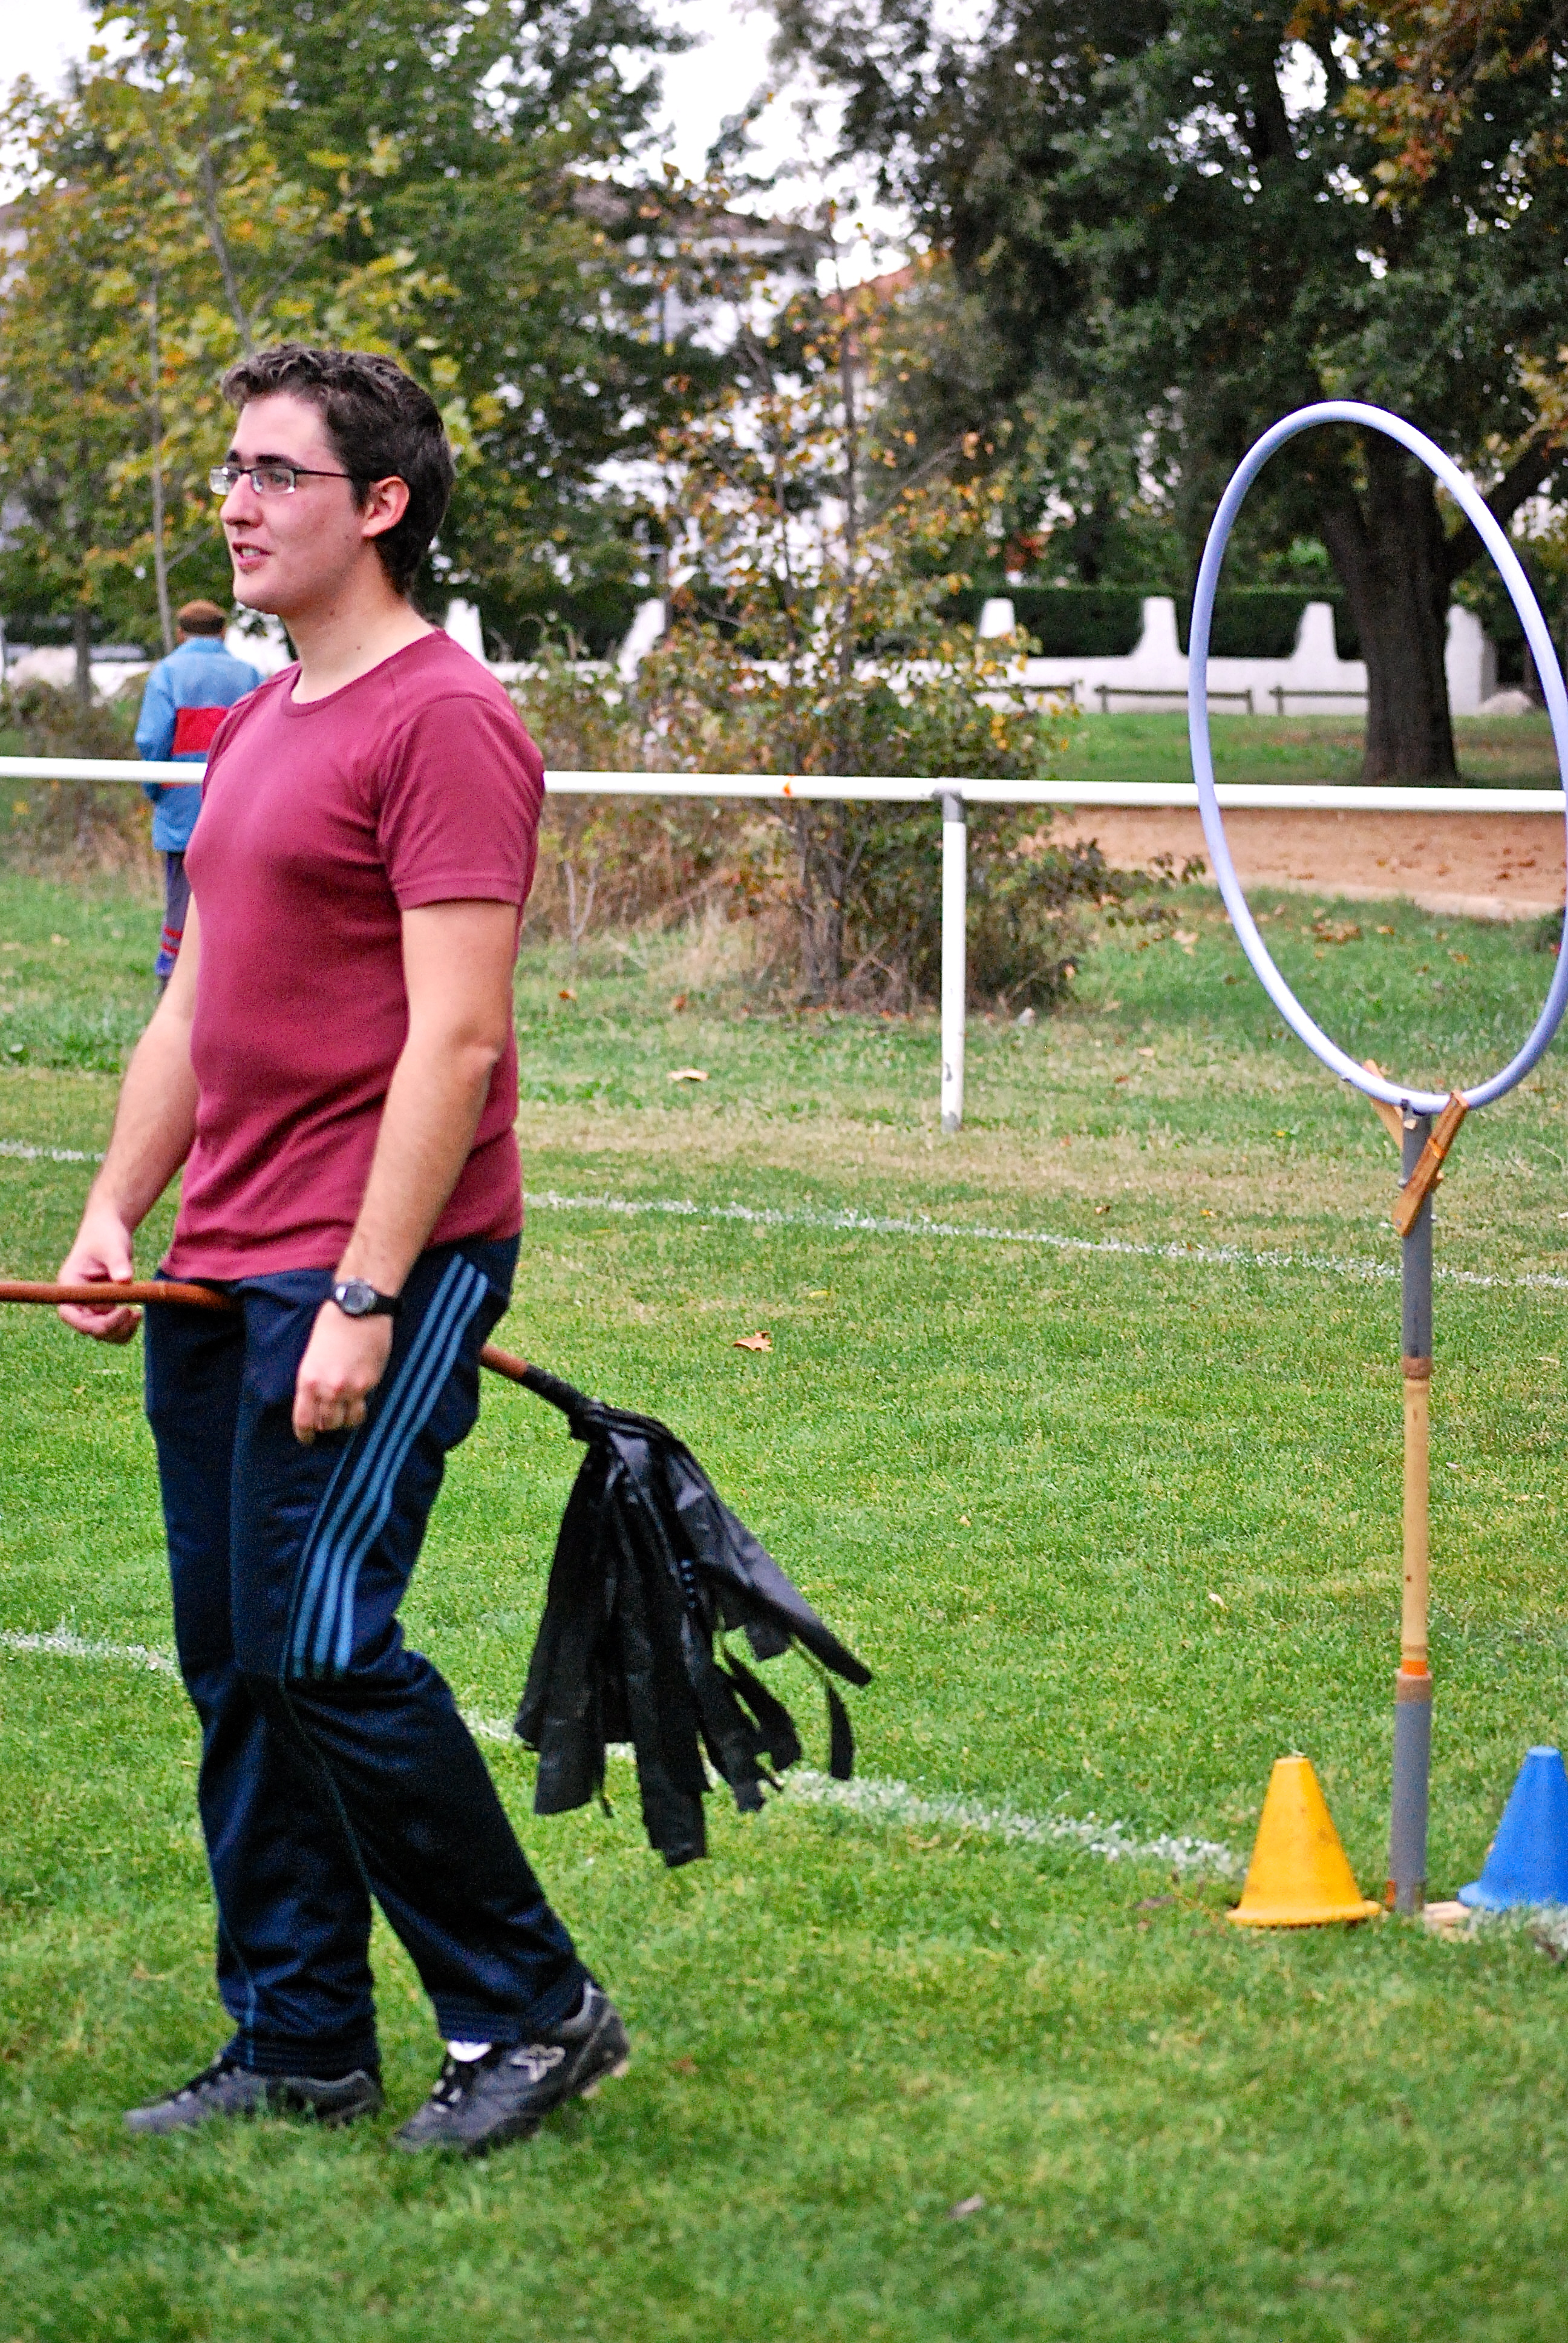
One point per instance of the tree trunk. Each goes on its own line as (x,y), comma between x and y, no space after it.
(82,642)
(156,422)
(1390,548)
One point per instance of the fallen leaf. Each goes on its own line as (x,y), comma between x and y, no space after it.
(1118,1079)
(1146,1053)
(820,1292)
(965,2207)
(683,2065)
(56,940)
(1217,1600)
(566,993)
(761,1341)
(1387,931)
(679,1002)
(1102,1208)
(687,1074)
(1462,958)
(963,1520)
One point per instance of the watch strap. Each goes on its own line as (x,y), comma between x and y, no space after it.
(350,1294)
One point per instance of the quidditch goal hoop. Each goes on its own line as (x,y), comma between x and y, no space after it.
(1468,497)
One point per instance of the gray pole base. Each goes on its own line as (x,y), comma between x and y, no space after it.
(951,1122)
(1412,1769)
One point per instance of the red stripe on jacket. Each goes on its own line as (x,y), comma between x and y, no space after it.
(193,730)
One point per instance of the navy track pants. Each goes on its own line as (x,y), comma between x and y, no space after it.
(335,1766)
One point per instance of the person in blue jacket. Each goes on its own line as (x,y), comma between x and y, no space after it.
(187,698)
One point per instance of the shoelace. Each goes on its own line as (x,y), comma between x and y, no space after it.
(455,2077)
(207,2080)
(458,2076)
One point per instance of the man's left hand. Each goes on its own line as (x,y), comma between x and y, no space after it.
(344,1361)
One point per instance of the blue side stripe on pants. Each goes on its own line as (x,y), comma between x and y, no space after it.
(379,1502)
(350,1527)
(356,1508)
(357,1501)
(317,1562)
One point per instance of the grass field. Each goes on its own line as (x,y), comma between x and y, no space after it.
(1493,751)
(1115,1521)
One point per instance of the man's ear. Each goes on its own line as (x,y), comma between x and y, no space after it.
(385,502)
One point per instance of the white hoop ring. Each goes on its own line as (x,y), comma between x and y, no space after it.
(1468,497)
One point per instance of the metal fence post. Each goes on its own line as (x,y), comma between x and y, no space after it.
(955,955)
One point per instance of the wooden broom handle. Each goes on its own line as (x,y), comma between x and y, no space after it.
(104,1293)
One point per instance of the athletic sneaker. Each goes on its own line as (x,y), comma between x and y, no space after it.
(479,2103)
(227,2088)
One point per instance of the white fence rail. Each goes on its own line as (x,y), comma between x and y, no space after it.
(953,795)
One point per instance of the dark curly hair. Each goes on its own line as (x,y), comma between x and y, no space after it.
(382,426)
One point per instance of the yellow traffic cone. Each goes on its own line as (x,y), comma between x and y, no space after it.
(1298,1876)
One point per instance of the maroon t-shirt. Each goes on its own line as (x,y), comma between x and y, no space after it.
(320,825)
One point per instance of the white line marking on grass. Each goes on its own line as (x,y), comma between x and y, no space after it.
(875,1801)
(849,1223)
(66,1646)
(869,1800)
(491,1728)
(27,1154)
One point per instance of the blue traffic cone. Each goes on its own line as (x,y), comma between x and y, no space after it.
(1527,1862)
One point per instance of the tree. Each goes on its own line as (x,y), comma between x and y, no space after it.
(1180,207)
(811,555)
(408,175)
(86,371)
(160,234)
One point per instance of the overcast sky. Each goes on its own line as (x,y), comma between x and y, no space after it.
(40,36)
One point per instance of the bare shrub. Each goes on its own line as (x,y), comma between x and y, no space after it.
(72,828)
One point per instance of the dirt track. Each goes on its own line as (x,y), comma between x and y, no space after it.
(1481,866)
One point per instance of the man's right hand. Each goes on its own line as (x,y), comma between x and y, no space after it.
(102,1250)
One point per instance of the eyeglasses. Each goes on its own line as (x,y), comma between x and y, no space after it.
(267,479)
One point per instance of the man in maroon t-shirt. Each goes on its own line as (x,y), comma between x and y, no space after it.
(333,1066)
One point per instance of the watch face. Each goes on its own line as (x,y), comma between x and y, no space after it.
(355,1297)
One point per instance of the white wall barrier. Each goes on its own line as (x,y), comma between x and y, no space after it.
(1313,680)
(952,795)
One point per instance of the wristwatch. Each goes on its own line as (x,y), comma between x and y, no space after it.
(358,1298)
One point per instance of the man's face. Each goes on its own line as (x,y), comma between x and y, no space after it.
(294,552)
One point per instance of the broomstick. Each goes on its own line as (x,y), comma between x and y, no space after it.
(197,1297)
(650,1569)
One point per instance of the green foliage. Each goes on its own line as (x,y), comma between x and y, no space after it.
(1263,622)
(811,567)
(1065,621)
(405,178)
(1173,239)
(37,720)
